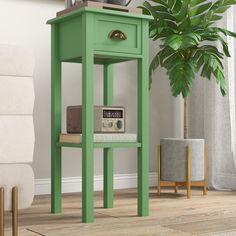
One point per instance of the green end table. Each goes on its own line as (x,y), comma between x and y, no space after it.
(99,36)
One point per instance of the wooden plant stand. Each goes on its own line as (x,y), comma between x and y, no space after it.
(188,183)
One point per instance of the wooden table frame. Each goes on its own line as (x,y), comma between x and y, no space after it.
(88,57)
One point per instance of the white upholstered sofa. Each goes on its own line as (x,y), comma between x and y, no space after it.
(16,131)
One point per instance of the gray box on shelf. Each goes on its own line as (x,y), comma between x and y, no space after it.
(120,2)
(104,1)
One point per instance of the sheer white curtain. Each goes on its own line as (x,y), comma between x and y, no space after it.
(212,117)
(231,25)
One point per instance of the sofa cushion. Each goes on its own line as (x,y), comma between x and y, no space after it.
(16,95)
(16,61)
(20,176)
(16,139)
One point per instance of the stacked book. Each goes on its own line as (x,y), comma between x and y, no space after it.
(103,137)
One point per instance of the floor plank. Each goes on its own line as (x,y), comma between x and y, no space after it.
(170,215)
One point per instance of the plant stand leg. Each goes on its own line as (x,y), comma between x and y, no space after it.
(176,187)
(15,211)
(108,162)
(205,171)
(188,172)
(143,136)
(159,169)
(87,120)
(1,211)
(55,124)
(204,188)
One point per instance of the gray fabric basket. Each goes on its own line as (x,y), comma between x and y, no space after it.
(174,161)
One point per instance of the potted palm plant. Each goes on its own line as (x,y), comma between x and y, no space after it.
(188,35)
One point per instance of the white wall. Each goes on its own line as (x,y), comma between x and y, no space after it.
(24,22)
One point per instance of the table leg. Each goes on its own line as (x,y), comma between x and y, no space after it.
(87,120)
(108,197)
(143,133)
(55,124)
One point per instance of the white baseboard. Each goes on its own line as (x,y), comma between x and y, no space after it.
(74,184)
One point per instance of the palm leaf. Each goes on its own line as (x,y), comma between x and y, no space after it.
(186,30)
(194,3)
(176,7)
(181,78)
(154,64)
(160,2)
(196,11)
(182,13)
(217,37)
(224,31)
(213,65)
(217,9)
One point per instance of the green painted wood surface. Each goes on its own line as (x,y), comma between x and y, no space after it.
(55,123)
(70,38)
(74,39)
(103,145)
(87,118)
(102,58)
(143,126)
(108,152)
(104,24)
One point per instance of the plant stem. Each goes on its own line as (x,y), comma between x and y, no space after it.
(185,117)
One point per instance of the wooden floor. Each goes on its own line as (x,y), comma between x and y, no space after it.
(170,215)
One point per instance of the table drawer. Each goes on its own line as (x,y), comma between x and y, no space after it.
(117,34)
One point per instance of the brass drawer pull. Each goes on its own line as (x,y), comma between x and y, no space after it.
(117,35)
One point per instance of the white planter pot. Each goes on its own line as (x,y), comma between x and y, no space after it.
(174,161)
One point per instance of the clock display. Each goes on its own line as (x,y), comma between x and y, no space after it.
(112,114)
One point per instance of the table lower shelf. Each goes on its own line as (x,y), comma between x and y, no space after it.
(103,145)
